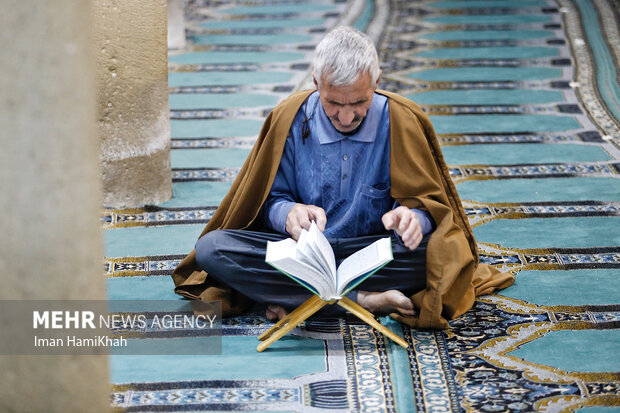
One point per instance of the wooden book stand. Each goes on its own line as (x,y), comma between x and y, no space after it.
(311,306)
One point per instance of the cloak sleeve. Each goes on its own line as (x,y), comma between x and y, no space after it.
(420,179)
(241,206)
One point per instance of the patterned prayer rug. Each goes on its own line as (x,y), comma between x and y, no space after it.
(525,98)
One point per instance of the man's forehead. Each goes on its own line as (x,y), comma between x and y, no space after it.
(346,99)
(346,94)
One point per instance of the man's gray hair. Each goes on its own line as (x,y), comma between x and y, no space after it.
(343,55)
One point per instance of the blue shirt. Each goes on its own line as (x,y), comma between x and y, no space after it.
(346,175)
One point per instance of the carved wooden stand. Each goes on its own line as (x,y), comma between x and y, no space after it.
(311,306)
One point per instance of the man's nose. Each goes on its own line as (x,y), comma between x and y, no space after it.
(346,116)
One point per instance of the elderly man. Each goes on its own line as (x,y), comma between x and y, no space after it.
(363,164)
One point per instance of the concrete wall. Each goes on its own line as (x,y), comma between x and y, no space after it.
(132,85)
(51,243)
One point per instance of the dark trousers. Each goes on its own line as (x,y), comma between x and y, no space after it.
(237,258)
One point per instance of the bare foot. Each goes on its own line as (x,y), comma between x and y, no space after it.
(275,312)
(386,302)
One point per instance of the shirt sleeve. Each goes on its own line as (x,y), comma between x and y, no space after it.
(283,194)
(426,221)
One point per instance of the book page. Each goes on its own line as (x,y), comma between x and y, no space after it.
(364,263)
(283,256)
(313,245)
(321,245)
(307,255)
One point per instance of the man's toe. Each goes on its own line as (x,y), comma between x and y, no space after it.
(275,312)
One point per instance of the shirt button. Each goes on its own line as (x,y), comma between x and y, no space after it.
(345,157)
(344,177)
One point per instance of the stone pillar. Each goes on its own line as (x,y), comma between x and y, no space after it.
(51,244)
(132,76)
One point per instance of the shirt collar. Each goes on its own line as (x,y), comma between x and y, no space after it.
(367,132)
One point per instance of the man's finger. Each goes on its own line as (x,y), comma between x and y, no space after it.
(405,220)
(301,216)
(390,220)
(408,234)
(293,220)
(295,232)
(318,214)
(414,241)
(414,226)
(304,221)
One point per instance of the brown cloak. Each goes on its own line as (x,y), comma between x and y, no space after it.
(419,179)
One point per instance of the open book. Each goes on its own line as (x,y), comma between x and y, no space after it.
(311,263)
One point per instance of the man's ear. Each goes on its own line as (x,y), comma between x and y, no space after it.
(378,79)
(316,84)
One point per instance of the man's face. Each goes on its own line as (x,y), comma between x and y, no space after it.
(346,106)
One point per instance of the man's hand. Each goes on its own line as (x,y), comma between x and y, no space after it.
(406,224)
(300,217)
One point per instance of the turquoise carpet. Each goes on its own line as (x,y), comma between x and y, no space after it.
(525,99)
